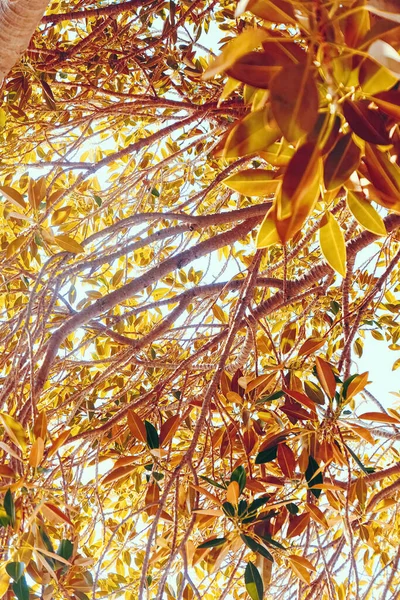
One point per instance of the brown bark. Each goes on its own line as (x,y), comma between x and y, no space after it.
(18,21)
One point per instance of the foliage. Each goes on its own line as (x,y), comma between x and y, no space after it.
(194,248)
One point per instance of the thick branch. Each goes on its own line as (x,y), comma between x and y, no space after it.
(18,21)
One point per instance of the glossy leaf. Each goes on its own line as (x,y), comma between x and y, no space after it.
(253,182)
(341,162)
(365,214)
(332,244)
(253,582)
(294,101)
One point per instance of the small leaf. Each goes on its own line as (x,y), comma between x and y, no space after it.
(331,240)
(313,476)
(14,430)
(15,570)
(341,162)
(68,244)
(297,524)
(213,543)
(60,215)
(317,515)
(379,417)
(252,182)
(15,245)
(367,123)
(9,506)
(357,385)
(365,214)
(136,426)
(151,435)
(286,460)
(267,234)
(266,455)
(36,454)
(253,582)
(256,547)
(232,493)
(13,196)
(168,429)
(326,376)
(239,475)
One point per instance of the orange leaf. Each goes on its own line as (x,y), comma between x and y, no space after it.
(298,524)
(232,492)
(58,442)
(118,473)
(301,398)
(168,429)
(357,385)
(326,376)
(286,460)
(317,515)
(137,426)
(54,514)
(379,417)
(36,454)
(40,425)
(310,346)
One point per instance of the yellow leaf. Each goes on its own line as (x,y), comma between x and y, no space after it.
(317,515)
(219,313)
(36,454)
(232,493)
(233,50)
(332,244)
(253,182)
(267,234)
(365,214)
(299,570)
(15,245)
(14,430)
(304,562)
(60,215)
(68,244)
(4,582)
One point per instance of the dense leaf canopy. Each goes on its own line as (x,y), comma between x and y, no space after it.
(199,209)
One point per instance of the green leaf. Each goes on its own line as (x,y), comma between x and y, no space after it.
(256,547)
(253,582)
(212,482)
(152,435)
(9,506)
(239,475)
(213,543)
(268,540)
(65,549)
(311,478)
(228,509)
(98,200)
(258,503)
(21,589)
(15,570)
(366,470)
(266,455)
(271,397)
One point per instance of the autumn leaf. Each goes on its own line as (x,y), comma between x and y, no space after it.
(332,244)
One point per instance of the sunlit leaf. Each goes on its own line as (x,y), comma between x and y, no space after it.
(332,244)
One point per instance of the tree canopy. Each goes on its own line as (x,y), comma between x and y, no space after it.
(200,212)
